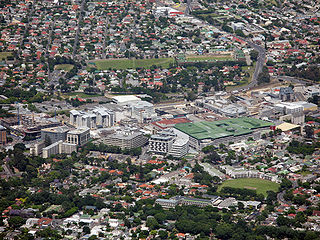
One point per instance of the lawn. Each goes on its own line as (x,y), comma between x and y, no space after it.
(210,57)
(132,63)
(4,55)
(260,185)
(65,67)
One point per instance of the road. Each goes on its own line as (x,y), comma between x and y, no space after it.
(280,195)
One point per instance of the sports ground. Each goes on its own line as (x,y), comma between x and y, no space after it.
(222,128)
(125,63)
(260,185)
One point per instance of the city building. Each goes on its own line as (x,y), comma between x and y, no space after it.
(230,130)
(223,107)
(186,201)
(99,117)
(3,135)
(125,99)
(167,123)
(286,94)
(142,110)
(169,141)
(240,172)
(126,138)
(79,136)
(55,134)
(58,148)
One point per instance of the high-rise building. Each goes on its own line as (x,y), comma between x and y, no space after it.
(55,134)
(3,135)
(79,136)
(97,118)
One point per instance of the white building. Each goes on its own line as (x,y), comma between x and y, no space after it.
(58,148)
(170,141)
(125,99)
(98,117)
(126,138)
(142,110)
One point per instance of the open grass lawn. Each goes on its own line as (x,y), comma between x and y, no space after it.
(4,55)
(65,67)
(209,57)
(132,63)
(260,185)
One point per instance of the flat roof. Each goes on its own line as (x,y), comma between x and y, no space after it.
(125,98)
(222,128)
(287,126)
(60,129)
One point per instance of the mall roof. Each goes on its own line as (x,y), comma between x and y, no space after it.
(222,128)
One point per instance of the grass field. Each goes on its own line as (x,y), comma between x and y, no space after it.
(208,58)
(260,185)
(65,67)
(4,55)
(132,63)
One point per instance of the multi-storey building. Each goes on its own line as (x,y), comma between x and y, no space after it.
(79,136)
(55,134)
(3,135)
(97,118)
(127,138)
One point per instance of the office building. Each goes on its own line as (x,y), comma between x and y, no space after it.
(3,135)
(126,139)
(79,136)
(171,142)
(55,134)
(99,117)
(143,111)
(59,147)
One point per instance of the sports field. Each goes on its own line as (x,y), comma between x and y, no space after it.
(65,67)
(4,55)
(222,128)
(209,58)
(132,63)
(260,185)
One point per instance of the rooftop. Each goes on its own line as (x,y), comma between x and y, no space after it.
(222,128)
(60,129)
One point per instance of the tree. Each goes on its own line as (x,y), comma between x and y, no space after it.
(152,223)
(283,221)
(264,76)
(163,234)
(285,184)
(309,131)
(86,230)
(214,157)
(224,231)
(16,222)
